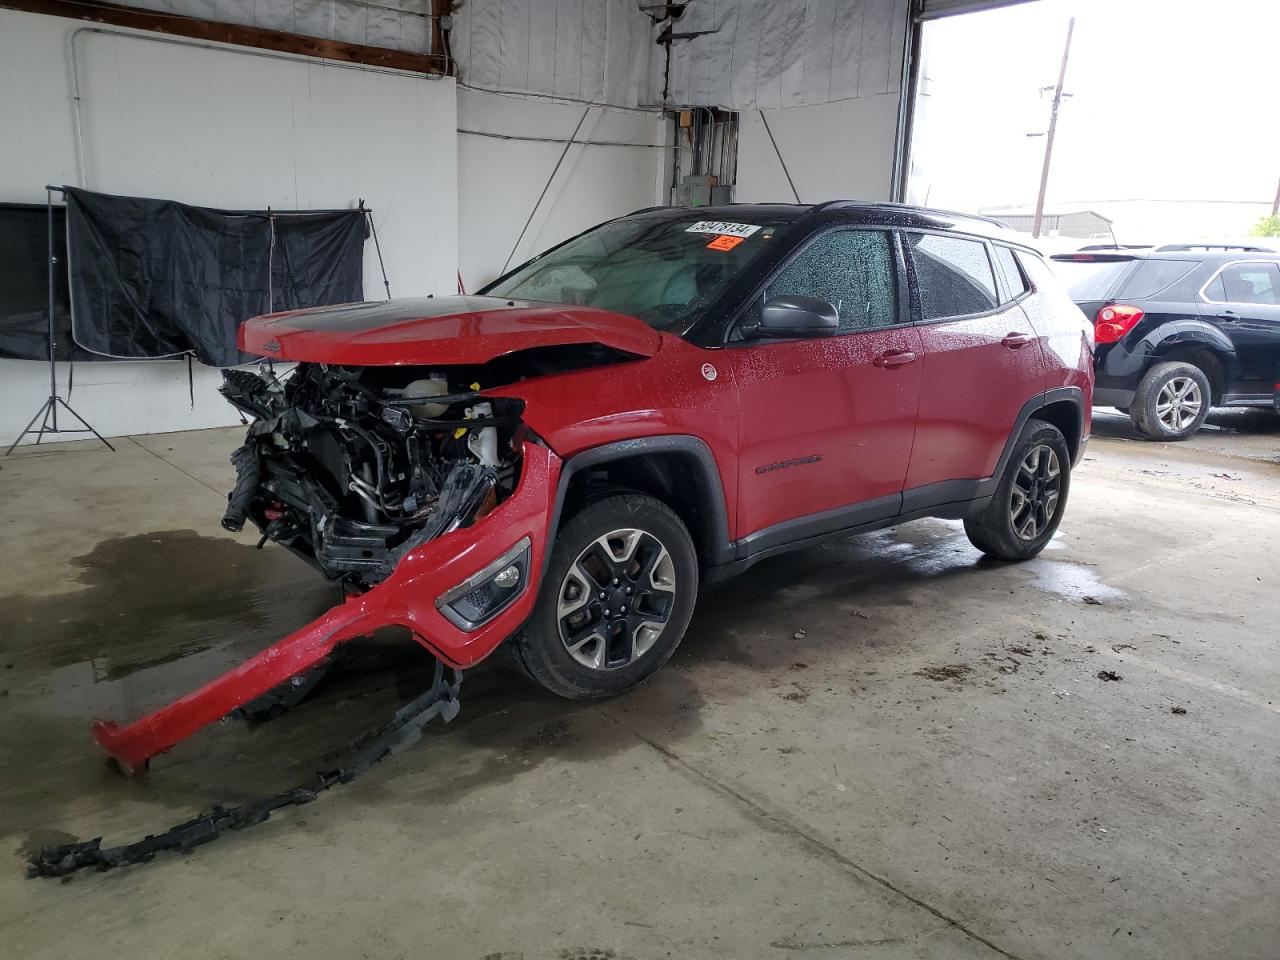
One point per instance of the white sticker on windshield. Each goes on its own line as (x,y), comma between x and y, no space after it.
(723,228)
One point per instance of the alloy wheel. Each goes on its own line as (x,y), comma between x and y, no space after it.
(1179,403)
(1036,492)
(615,599)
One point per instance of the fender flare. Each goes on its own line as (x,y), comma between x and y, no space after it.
(694,449)
(1029,409)
(1176,333)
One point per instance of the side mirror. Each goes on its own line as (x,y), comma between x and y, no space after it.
(784,318)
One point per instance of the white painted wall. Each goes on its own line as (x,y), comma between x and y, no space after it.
(834,151)
(221,127)
(500,181)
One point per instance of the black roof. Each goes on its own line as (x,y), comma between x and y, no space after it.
(865,211)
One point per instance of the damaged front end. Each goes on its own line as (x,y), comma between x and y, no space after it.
(350,468)
(427,500)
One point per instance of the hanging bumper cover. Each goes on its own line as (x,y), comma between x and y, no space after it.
(409,597)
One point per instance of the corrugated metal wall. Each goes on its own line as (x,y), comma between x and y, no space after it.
(592,51)
(396,24)
(755,54)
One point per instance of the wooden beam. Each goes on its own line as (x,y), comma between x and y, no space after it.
(233,33)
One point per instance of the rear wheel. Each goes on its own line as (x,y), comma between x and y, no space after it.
(1027,506)
(615,601)
(1171,402)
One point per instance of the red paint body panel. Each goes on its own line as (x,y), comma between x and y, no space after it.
(407,598)
(437,330)
(576,411)
(822,398)
(972,391)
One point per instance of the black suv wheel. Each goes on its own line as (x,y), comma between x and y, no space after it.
(1029,499)
(1171,401)
(615,600)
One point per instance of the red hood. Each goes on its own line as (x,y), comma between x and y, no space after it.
(437,330)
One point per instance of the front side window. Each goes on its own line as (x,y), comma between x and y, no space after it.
(666,271)
(1246,283)
(852,270)
(953,275)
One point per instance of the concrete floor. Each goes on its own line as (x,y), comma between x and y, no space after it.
(884,747)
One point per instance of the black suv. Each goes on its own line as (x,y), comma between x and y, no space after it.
(1179,330)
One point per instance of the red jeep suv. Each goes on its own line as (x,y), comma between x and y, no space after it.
(658,402)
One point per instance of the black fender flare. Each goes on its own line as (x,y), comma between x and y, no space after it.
(697,453)
(1029,409)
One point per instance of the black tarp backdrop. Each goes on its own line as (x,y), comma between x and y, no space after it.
(155,278)
(24,284)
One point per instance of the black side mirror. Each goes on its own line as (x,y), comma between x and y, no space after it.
(784,318)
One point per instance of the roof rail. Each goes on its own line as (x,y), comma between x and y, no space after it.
(1190,247)
(894,205)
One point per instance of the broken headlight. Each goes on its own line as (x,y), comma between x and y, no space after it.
(483,595)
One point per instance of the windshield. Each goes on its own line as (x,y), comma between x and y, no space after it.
(663,271)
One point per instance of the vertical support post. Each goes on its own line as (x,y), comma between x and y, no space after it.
(53,369)
(1053,127)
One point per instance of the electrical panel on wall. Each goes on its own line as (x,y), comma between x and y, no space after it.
(705,156)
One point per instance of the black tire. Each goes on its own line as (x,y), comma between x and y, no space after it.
(1151,412)
(625,648)
(1001,529)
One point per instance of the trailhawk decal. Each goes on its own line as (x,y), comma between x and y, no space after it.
(783,464)
(723,228)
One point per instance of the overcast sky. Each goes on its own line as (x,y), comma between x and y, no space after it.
(1173,99)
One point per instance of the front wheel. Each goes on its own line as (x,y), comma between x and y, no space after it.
(1027,506)
(615,601)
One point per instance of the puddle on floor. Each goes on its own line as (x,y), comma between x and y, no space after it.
(1074,581)
(158,597)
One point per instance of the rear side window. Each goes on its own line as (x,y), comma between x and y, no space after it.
(953,275)
(1246,283)
(851,269)
(1090,279)
(1015,283)
(1037,271)
(1151,277)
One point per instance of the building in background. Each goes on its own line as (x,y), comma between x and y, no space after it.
(1139,220)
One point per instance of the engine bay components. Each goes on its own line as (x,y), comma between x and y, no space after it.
(347,467)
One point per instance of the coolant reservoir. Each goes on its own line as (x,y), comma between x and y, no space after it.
(430,387)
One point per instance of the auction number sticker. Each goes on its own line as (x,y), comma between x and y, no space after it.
(723,228)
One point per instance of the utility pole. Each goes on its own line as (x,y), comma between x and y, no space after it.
(1275,204)
(1053,126)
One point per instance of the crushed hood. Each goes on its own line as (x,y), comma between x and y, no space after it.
(438,330)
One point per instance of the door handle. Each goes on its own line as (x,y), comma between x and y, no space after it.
(1229,316)
(894,358)
(1015,340)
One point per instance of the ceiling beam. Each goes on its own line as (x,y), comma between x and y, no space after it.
(233,33)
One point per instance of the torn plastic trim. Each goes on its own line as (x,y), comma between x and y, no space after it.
(440,700)
(406,598)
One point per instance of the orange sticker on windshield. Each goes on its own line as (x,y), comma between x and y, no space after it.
(724,243)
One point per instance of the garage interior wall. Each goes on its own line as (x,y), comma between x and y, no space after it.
(241,128)
(517,197)
(465,179)
(822,76)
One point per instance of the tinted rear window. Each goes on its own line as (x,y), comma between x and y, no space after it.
(1153,276)
(1090,279)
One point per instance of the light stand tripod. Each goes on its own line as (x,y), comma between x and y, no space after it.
(48,412)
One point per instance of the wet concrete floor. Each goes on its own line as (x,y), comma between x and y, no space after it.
(885,746)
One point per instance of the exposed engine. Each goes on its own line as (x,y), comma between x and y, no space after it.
(351,467)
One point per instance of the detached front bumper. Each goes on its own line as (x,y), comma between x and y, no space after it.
(407,598)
